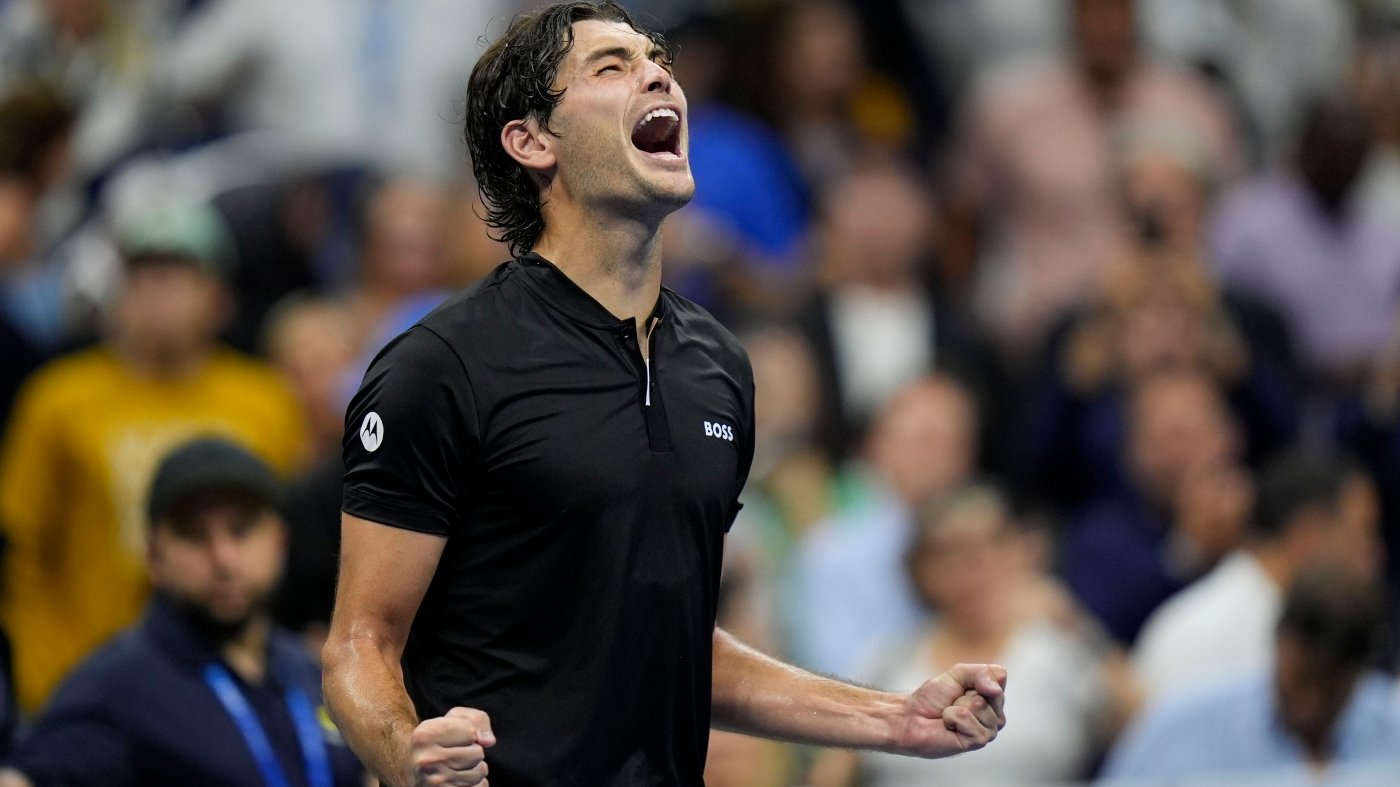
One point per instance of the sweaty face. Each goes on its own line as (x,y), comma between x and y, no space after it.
(220,555)
(620,127)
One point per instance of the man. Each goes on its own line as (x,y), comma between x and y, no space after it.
(1320,708)
(204,690)
(1127,551)
(88,429)
(852,591)
(1310,509)
(540,474)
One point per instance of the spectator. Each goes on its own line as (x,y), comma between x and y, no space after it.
(98,56)
(981,578)
(1156,310)
(167,701)
(311,341)
(1270,57)
(1301,241)
(35,126)
(878,320)
(852,592)
(1034,181)
(328,82)
(1185,506)
(1317,710)
(88,429)
(1310,509)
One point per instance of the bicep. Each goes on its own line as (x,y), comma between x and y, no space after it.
(384,573)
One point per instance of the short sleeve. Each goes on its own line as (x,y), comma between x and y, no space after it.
(412,438)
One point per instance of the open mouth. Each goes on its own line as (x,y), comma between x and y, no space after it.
(659,133)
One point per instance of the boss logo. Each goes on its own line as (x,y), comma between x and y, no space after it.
(722,431)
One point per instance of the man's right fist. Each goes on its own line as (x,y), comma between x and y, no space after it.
(451,750)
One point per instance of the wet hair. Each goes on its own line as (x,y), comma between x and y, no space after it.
(1335,614)
(1295,481)
(514,80)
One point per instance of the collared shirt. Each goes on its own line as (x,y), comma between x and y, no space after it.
(584,496)
(1229,729)
(139,712)
(1228,616)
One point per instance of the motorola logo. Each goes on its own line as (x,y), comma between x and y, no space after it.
(372,432)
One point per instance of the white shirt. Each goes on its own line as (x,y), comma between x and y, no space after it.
(1056,702)
(1222,623)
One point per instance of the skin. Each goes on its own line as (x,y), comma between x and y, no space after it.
(166,316)
(604,202)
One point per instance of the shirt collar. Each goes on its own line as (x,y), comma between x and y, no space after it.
(563,294)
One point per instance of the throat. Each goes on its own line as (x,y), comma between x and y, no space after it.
(246,654)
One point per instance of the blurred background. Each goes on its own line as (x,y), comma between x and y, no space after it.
(1073,323)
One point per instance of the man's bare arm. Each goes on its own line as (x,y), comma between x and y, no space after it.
(960,710)
(384,573)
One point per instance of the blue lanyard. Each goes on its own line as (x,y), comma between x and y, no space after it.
(313,746)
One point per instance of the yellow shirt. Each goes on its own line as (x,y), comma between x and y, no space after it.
(75,468)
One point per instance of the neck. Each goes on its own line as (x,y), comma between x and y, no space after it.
(617,261)
(163,364)
(246,653)
(1274,560)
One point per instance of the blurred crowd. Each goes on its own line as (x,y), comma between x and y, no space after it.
(1074,326)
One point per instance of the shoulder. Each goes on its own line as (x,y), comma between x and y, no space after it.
(107,680)
(76,376)
(694,324)
(488,304)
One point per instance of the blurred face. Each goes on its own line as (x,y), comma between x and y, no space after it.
(169,307)
(960,566)
(822,60)
(1311,692)
(620,137)
(313,346)
(785,386)
(924,444)
(878,227)
(1105,32)
(221,555)
(404,246)
(1353,539)
(1179,427)
(1166,202)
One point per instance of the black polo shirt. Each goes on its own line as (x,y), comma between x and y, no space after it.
(584,499)
(139,712)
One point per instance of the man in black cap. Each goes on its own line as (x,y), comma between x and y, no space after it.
(204,689)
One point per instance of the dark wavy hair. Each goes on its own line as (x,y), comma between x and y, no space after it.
(514,80)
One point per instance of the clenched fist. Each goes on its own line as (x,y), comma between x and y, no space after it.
(450,751)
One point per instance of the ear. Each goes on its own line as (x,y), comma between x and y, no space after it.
(532,147)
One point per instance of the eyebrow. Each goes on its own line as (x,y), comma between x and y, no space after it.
(626,53)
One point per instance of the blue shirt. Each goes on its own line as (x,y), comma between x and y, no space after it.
(139,712)
(1234,727)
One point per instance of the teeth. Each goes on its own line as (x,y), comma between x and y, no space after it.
(661,113)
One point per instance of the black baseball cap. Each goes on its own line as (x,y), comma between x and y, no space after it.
(209,464)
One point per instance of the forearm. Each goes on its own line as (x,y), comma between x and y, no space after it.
(364,690)
(759,695)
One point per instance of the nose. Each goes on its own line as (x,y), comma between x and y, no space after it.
(658,79)
(223,551)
